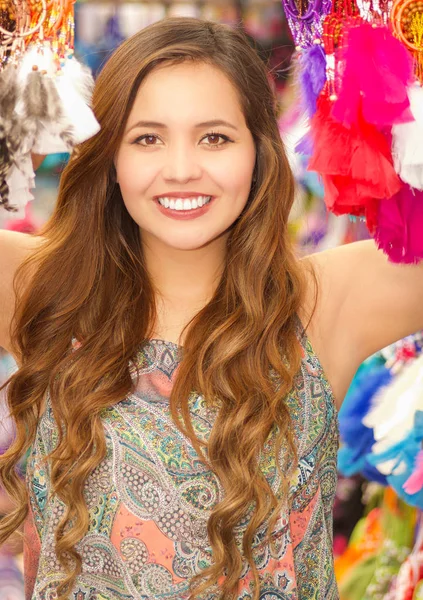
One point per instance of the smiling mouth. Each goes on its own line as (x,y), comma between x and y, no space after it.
(184,204)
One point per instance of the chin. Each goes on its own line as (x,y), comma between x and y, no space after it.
(187,242)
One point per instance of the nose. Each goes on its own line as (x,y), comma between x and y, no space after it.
(181,164)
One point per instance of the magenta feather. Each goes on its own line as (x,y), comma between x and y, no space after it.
(377,71)
(415,482)
(312,63)
(400,225)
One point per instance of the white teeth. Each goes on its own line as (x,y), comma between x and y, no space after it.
(184,203)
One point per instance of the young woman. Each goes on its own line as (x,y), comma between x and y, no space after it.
(183,432)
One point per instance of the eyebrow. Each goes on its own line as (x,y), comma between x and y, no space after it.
(157,125)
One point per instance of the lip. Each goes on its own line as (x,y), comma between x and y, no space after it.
(182,195)
(184,215)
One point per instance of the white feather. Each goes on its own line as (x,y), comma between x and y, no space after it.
(21,180)
(81,78)
(392,414)
(74,84)
(77,112)
(48,140)
(41,57)
(407,146)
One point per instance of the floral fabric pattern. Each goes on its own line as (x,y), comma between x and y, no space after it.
(150,498)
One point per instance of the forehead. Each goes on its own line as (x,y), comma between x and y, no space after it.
(185,93)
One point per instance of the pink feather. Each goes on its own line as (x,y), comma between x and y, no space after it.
(415,482)
(400,225)
(377,71)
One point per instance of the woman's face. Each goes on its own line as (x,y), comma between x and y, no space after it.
(186,138)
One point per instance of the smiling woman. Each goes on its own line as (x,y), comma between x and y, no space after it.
(183,433)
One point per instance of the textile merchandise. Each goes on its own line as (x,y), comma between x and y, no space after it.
(365,116)
(44,93)
(381,433)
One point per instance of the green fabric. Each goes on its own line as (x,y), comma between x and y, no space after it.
(355,584)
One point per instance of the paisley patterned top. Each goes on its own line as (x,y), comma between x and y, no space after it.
(150,498)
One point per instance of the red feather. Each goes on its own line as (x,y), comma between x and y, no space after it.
(355,163)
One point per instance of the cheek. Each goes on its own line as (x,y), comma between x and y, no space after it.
(133,174)
(235,175)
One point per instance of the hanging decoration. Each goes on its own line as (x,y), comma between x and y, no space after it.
(360,66)
(44,92)
(381,426)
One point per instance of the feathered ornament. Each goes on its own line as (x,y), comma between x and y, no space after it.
(407,145)
(312,75)
(355,163)
(39,112)
(74,85)
(39,106)
(21,180)
(377,71)
(43,114)
(45,104)
(81,77)
(358,439)
(41,57)
(399,229)
(397,461)
(10,131)
(392,414)
(55,103)
(5,165)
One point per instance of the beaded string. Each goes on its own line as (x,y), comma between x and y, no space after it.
(23,21)
(376,12)
(344,14)
(306,22)
(46,23)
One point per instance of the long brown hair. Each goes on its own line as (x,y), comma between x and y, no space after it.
(90,282)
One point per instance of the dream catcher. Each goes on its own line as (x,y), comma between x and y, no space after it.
(360,66)
(44,92)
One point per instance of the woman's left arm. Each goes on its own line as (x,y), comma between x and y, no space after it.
(364,303)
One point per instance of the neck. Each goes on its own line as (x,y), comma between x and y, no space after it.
(188,278)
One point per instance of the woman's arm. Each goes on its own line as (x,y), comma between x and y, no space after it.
(364,304)
(14,249)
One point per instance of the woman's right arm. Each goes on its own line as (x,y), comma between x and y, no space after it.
(15,247)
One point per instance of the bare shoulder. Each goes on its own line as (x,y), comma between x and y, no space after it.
(14,249)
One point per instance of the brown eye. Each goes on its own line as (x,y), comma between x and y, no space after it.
(150,140)
(214,139)
(146,140)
